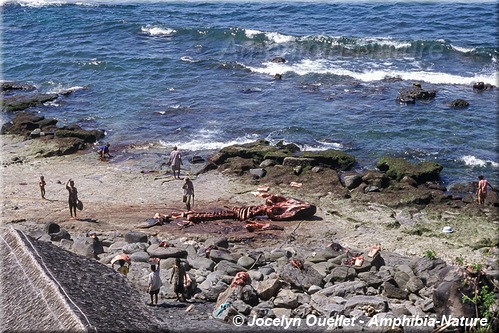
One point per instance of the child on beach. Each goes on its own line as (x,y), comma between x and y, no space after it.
(42,186)
(73,197)
(123,269)
(154,281)
(188,192)
(103,151)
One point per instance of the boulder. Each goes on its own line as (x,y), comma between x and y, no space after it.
(217,242)
(352,181)
(22,102)
(375,179)
(397,168)
(136,237)
(414,284)
(331,158)
(157,251)
(11,85)
(140,256)
(258,172)
(345,289)
(378,303)
(201,263)
(413,93)
(60,235)
(401,279)
(267,289)
(458,103)
(390,290)
(327,304)
(219,255)
(375,279)
(134,247)
(301,278)
(449,291)
(286,299)
(482,86)
(341,274)
(428,270)
(228,267)
(87,247)
(279,60)
(298,161)
(117,246)
(214,284)
(246,261)
(88,136)
(326,254)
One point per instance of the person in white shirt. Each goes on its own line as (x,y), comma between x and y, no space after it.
(154,282)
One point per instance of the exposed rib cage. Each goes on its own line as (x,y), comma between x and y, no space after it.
(239,213)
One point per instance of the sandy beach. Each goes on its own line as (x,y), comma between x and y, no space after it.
(118,196)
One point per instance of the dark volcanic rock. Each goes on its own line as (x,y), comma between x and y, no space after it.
(88,136)
(398,168)
(483,86)
(9,85)
(459,103)
(413,93)
(19,103)
(301,278)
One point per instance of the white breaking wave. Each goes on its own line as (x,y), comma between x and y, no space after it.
(59,89)
(307,66)
(188,59)
(158,31)
(272,36)
(471,160)
(202,143)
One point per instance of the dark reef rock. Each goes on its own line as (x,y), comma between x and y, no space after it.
(279,60)
(458,103)
(398,168)
(22,102)
(483,86)
(9,85)
(53,141)
(413,93)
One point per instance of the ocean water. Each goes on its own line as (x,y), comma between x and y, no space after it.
(155,74)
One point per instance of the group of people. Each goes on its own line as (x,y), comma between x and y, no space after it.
(175,161)
(179,279)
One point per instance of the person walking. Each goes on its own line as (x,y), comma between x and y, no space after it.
(42,186)
(482,189)
(175,160)
(73,197)
(188,193)
(154,281)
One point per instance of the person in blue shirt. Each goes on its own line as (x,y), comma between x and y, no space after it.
(103,151)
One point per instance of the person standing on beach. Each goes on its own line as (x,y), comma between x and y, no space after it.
(482,190)
(188,192)
(73,197)
(175,161)
(154,281)
(42,186)
(178,278)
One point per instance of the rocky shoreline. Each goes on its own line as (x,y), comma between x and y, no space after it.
(305,269)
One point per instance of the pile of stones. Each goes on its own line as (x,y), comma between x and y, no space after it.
(290,282)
